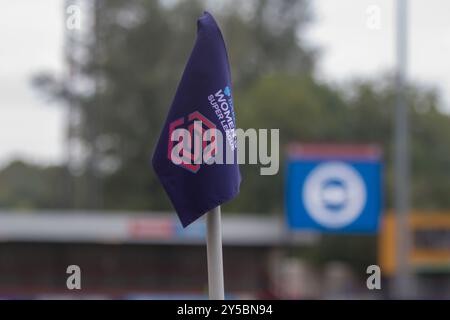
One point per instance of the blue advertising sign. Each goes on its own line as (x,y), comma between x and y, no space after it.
(334,188)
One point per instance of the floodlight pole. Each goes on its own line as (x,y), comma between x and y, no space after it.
(403,280)
(214,253)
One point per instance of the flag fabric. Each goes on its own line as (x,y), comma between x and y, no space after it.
(203,101)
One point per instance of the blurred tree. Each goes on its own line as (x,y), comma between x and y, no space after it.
(130,68)
(134,61)
(26,186)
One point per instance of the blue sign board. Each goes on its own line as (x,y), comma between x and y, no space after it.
(338,190)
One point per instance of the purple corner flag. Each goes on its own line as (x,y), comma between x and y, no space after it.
(203,101)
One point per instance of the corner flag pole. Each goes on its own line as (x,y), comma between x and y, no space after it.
(214,253)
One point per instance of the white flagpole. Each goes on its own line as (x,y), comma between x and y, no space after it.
(214,253)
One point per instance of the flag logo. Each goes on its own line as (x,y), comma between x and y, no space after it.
(227,91)
(187,148)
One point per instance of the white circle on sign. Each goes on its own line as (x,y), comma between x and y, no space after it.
(334,194)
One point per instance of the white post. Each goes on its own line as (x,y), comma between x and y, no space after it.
(214,252)
(404,277)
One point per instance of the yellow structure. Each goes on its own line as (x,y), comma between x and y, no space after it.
(430,247)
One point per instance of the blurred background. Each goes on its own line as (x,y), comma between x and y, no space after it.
(85,87)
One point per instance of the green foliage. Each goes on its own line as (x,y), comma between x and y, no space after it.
(135,65)
(25,186)
(134,60)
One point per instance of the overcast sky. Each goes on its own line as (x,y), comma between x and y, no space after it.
(354,43)
(31,38)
